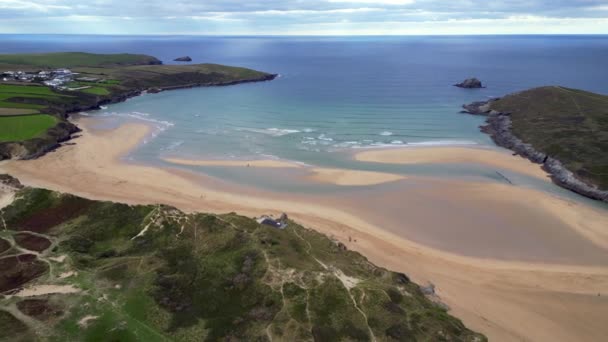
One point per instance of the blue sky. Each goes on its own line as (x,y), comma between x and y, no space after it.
(304,17)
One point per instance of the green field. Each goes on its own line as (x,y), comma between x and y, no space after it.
(33,94)
(74,59)
(153,273)
(24,127)
(96,91)
(567,124)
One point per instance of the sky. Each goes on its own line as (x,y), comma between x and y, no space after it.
(304,17)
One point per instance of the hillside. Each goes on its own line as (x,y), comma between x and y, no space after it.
(81,270)
(74,59)
(567,124)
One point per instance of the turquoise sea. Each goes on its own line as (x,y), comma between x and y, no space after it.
(336,94)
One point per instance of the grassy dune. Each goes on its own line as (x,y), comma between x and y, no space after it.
(567,124)
(153,273)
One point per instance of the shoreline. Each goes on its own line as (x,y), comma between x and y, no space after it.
(480,155)
(498,127)
(64,129)
(503,299)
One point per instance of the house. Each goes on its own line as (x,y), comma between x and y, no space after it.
(281,223)
(65,72)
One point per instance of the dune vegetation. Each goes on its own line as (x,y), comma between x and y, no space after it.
(95,271)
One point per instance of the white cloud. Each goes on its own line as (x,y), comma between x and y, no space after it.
(376,2)
(304,16)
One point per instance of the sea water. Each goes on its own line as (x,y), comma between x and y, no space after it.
(336,94)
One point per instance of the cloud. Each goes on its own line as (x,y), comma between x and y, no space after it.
(302,16)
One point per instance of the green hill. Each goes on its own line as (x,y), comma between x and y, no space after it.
(153,273)
(75,59)
(566,124)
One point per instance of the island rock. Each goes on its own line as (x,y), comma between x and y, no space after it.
(183,59)
(470,83)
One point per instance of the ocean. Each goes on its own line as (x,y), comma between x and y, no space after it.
(336,94)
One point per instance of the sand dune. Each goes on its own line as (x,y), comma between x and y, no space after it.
(505,299)
(498,158)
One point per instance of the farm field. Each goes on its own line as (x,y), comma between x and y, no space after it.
(24,127)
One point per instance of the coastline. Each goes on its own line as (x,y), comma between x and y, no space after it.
(63,130)
(506,300)
(498,126)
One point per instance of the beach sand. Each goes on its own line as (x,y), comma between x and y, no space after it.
(351,177)
(234,163)
(505,299)
(341,177)
(499,158)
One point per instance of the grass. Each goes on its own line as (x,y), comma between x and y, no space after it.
(33,96)
(26,89)
(16,111)
(75,59)
(202,277)
(97,91)
(24,127)
(567,124)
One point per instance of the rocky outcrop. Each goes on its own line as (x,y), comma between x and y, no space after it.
(183,59)
(470,83)
(34,148)
(498,126)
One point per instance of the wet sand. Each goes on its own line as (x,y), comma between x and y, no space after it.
(507,299)
(493,157)
(234,163)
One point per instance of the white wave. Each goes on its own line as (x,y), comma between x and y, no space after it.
(386,133)
(308,130)
(173,145)
(275,132)
(103,107)
(324,138)
(397,142)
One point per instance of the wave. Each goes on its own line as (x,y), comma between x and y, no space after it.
(275,132)
(386,133)
(324,138)
(173,145)
(132,115)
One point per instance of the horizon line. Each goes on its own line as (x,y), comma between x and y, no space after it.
(308,35)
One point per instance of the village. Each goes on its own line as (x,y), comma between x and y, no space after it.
(58,78)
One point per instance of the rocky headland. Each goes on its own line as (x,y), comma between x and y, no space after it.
(499,125)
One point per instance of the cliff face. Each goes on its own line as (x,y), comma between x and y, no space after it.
(37,147)
(499,127)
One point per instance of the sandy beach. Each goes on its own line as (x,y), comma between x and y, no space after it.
(234,163)
(508,300)
(499,158)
